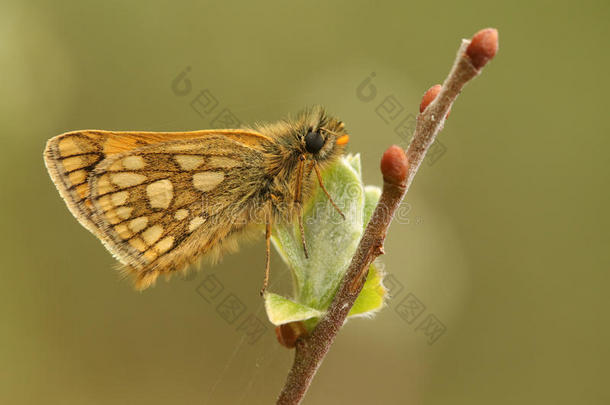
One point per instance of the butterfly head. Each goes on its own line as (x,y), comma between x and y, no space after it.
(322,138)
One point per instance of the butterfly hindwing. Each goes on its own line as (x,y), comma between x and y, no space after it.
(162,206)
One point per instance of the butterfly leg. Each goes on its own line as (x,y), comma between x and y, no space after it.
(302,229)
(319,175)
(299,203)
(268,248)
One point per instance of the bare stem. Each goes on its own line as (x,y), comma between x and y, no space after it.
(311,349)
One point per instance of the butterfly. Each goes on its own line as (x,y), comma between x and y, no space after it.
(160,201)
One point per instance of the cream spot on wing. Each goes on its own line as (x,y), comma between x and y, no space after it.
(124,212)
(119,198)
(138,224)
(103,185)
(223,162)
(195,223)
(112,217)
(68,147)
(122,230)
(73,163)
(152,234)
(164,244)
(133,162)
(181,214)
(116,166)
(150,255)
(77,177)
(188,162)
(127,179)
(138,244)
(83,190)
(104,203)
(206,181)
(160,193)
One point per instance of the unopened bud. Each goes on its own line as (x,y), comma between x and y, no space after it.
(394,165)
(483,47)
(288,333)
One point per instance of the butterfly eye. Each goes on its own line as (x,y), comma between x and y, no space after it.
(313,142)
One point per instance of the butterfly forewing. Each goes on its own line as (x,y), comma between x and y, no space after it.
(72,156)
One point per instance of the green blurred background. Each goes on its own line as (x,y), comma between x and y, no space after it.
(506,243)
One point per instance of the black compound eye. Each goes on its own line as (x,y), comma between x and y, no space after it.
(313,142)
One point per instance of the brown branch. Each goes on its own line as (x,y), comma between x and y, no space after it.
(398,172)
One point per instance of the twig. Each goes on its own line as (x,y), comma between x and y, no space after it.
(398,171)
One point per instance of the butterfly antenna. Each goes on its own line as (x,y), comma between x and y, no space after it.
(330,132)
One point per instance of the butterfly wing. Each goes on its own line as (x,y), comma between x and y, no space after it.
(158,201)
